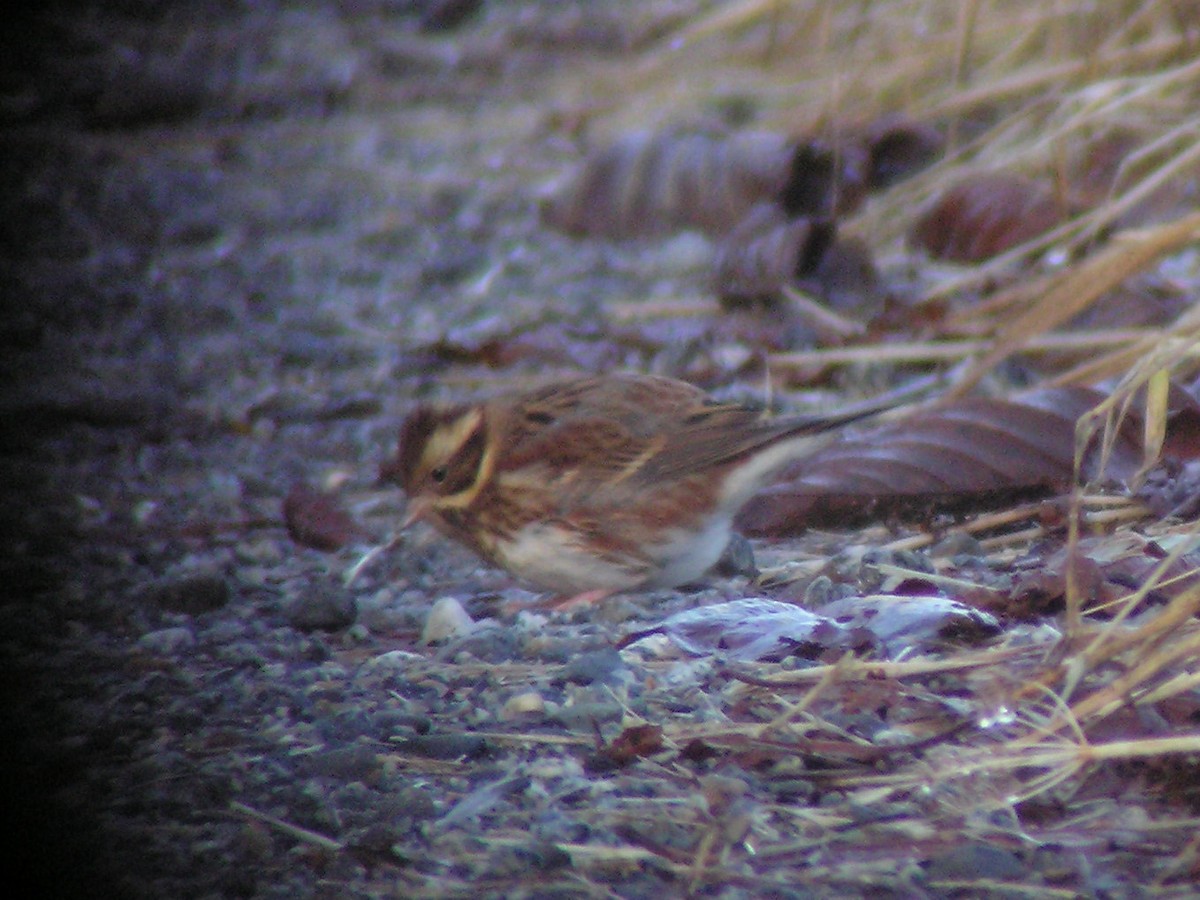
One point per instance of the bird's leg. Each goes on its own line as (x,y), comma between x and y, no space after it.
(559,602)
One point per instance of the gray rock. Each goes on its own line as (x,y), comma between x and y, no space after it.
(322,606)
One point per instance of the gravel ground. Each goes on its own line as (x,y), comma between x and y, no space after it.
(225,226)
(229,231)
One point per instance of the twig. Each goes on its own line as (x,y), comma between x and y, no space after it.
(303,834)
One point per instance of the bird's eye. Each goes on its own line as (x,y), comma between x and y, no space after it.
(439,474)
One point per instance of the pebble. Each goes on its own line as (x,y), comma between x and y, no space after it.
(322,606)
(977,862)
(444,746)
(193,594)
(168,640)
(524,704)
(355,762)
(586,715)
(392,660)
(593,666)
(737,559)
(957,543)
(382,611)
(447,619)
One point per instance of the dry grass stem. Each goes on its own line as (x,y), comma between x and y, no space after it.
(1076,288)
(942,350)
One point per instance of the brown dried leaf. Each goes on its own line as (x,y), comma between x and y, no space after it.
(966,449)
(1124,163)
(633,743)
(767,250)
(1142,301)
(825,179)
(656,183)
(982,217)
(846,279)
(1076,287)
(315,519)
(898,148)
(1103,569)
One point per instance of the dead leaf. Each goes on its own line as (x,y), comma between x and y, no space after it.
(759,629)
(633,743)
(898,148)
(825,179)
(985,215)
(902,622)
(651,183)
(655,183)
(767,250)
(965,450)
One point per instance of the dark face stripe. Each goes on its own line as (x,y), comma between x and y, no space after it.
(415,431)
(463,468)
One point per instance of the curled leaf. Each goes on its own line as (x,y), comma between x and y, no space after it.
(986,215)
(661,182)
(825,179)
(653,183)
(968,450)
(900,622)
(898,148)
(766,251)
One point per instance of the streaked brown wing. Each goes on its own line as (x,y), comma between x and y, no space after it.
(725,434)
(597,428)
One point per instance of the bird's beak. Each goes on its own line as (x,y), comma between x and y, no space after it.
(418,508)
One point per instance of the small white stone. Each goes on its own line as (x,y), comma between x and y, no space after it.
(520,705)
(446,619)
(392,660)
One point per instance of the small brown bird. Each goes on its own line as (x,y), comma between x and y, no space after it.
(596,485)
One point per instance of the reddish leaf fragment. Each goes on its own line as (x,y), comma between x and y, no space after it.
(696,750)
(1043,591)
(1182,442)
(968,450)
(986,215)
(633,743)
(315,519)
(1104,570)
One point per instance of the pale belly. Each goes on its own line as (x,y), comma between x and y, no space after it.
(550,557)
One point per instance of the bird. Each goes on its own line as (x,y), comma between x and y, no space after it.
(595,485)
